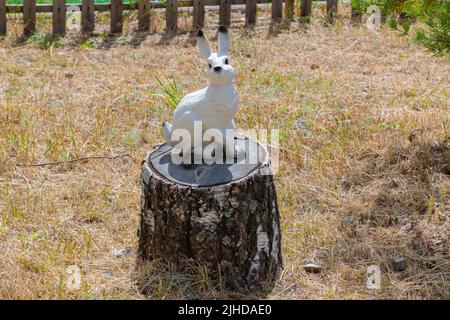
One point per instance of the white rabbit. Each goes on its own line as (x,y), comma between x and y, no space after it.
(215,105)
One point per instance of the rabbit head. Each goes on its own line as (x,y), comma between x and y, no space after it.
(219,70)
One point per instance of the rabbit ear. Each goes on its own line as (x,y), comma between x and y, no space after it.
(224,41)
(203,45)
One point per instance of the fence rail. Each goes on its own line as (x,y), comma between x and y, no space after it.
(59,10)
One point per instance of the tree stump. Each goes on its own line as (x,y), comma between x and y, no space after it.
(223,216)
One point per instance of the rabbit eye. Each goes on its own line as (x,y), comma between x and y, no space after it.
(226,61)
(209,65)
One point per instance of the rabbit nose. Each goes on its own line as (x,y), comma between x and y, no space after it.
(217,69)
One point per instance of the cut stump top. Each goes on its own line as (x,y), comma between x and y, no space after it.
(206,175)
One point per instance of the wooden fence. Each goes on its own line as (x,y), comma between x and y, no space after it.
(116,8)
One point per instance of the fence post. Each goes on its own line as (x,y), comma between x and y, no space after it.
(305,10)
(250,12)
(87,16)
(332,6)
(225,13)
(144,15)
(277,9)
(116,16)
(171,15)
(59,17)
(2,17)
(29,17)
(198,14)
(289,8)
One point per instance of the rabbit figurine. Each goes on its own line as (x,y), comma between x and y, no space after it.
(214,106)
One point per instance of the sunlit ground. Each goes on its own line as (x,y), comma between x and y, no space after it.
(364,156)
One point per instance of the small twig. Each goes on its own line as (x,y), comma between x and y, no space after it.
(43,164)
(350,46)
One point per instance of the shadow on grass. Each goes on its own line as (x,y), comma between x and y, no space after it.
(106,40)
(277,26)
(192,281)
(399,193)
(44,41)
(102,40)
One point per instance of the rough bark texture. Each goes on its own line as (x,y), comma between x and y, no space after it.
(233,229)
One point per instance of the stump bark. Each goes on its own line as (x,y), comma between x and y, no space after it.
(223,216)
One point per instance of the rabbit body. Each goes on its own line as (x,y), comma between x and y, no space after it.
(214,106)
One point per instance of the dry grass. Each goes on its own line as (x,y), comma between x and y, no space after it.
(365,126)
